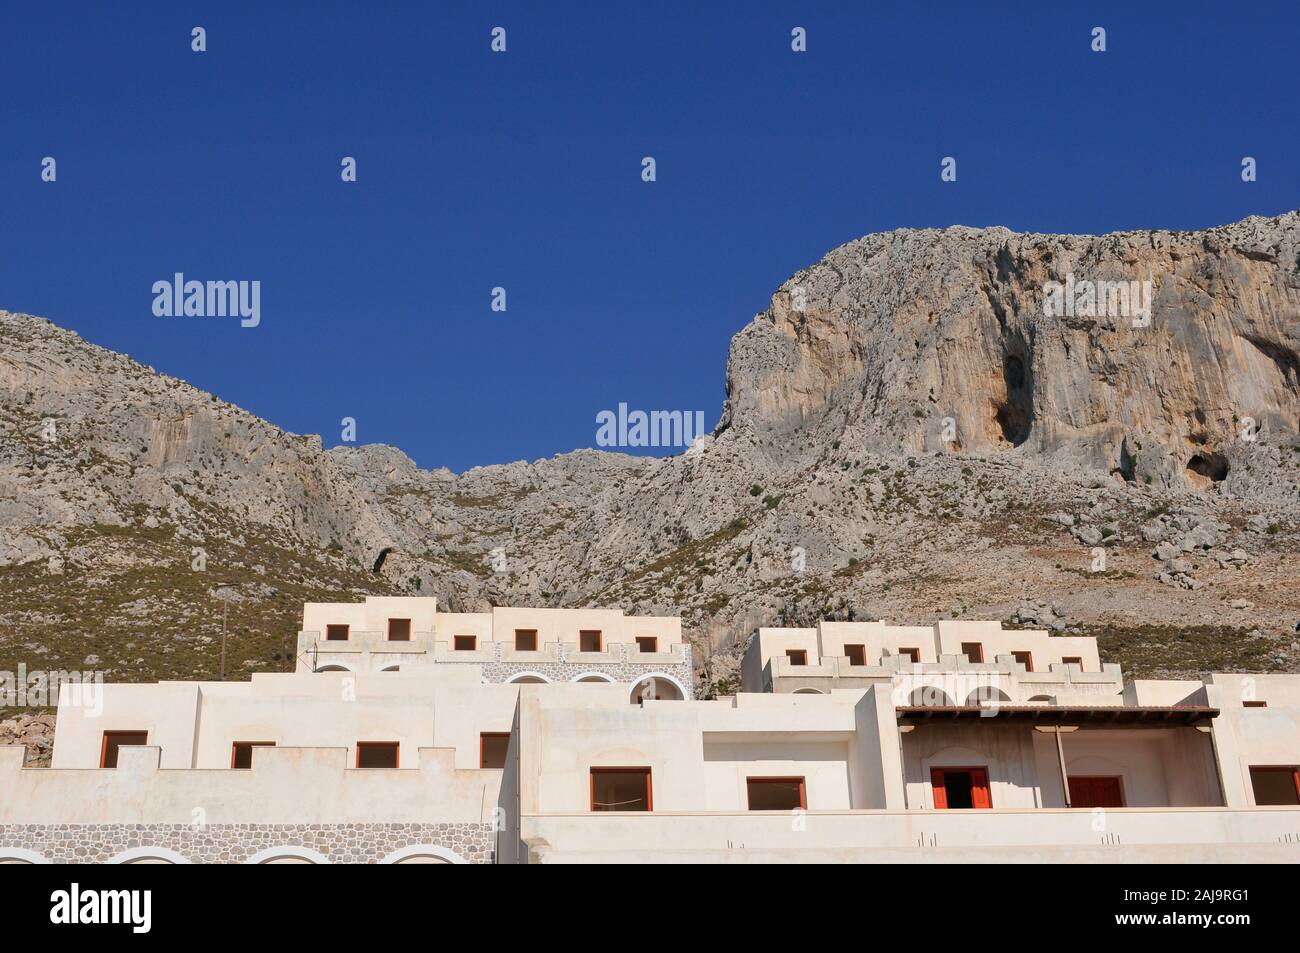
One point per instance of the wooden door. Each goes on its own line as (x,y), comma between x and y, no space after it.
(1096,791)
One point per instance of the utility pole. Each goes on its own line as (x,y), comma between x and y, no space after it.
(225,605)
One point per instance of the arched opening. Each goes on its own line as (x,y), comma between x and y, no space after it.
(149,855)
(987,694)
(391,668)
(20,855)
(333,668)
(288,855)
(1040,700)
(656,687)
(424,854)
(594,678)
(929,696)
(808,691)
(528,678)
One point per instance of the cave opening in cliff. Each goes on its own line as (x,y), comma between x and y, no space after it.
(1014,416)
(379,560)
(1206,468)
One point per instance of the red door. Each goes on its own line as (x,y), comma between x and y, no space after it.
(1096,792)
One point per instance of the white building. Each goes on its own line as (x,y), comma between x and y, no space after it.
(567,736)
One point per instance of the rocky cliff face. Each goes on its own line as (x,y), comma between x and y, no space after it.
(909,433)
(886,337)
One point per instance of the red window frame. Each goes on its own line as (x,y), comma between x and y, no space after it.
(584,638)
(797,656)
(980,796)
(464,643)
(803,790)
(482,738)
(856,654)
(403,627)
(396,747)
(913,654)
(979,652)
(333,628)
(649,786)
(250,745)
(103,745)
(1025,658)
(526,633)
(1254,704)
(647,640)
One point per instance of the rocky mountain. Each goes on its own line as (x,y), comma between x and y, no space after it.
(1096,434)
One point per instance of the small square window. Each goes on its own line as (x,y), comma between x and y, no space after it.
(464,643)
(525,640)
(399,630)
(797,656)
(377,754)
(589,640)
(241,752)
(492,747)
(1073,660)
(856,654)
(913,655)
(974,651)
(115,740)
(621,789)
(1024,658)
(336,633)
(776,794)
(647,643)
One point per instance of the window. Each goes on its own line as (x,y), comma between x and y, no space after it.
(1024,658)
(856,654)
(913,654)
(589,640)
(241,752)
(1275,785)
(399,630)
(974,651)
(1254,704)
(492,747)
(1073,660)
(464,643)
(336,633)
(113,740)
(776,794)
(956,788)
(1096,791)
(621,789)
(797,656)
(525,640)
(647,643)
(377,754)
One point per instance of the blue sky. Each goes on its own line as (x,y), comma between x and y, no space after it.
(522,170)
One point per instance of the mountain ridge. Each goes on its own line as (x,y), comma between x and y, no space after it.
(905,432)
